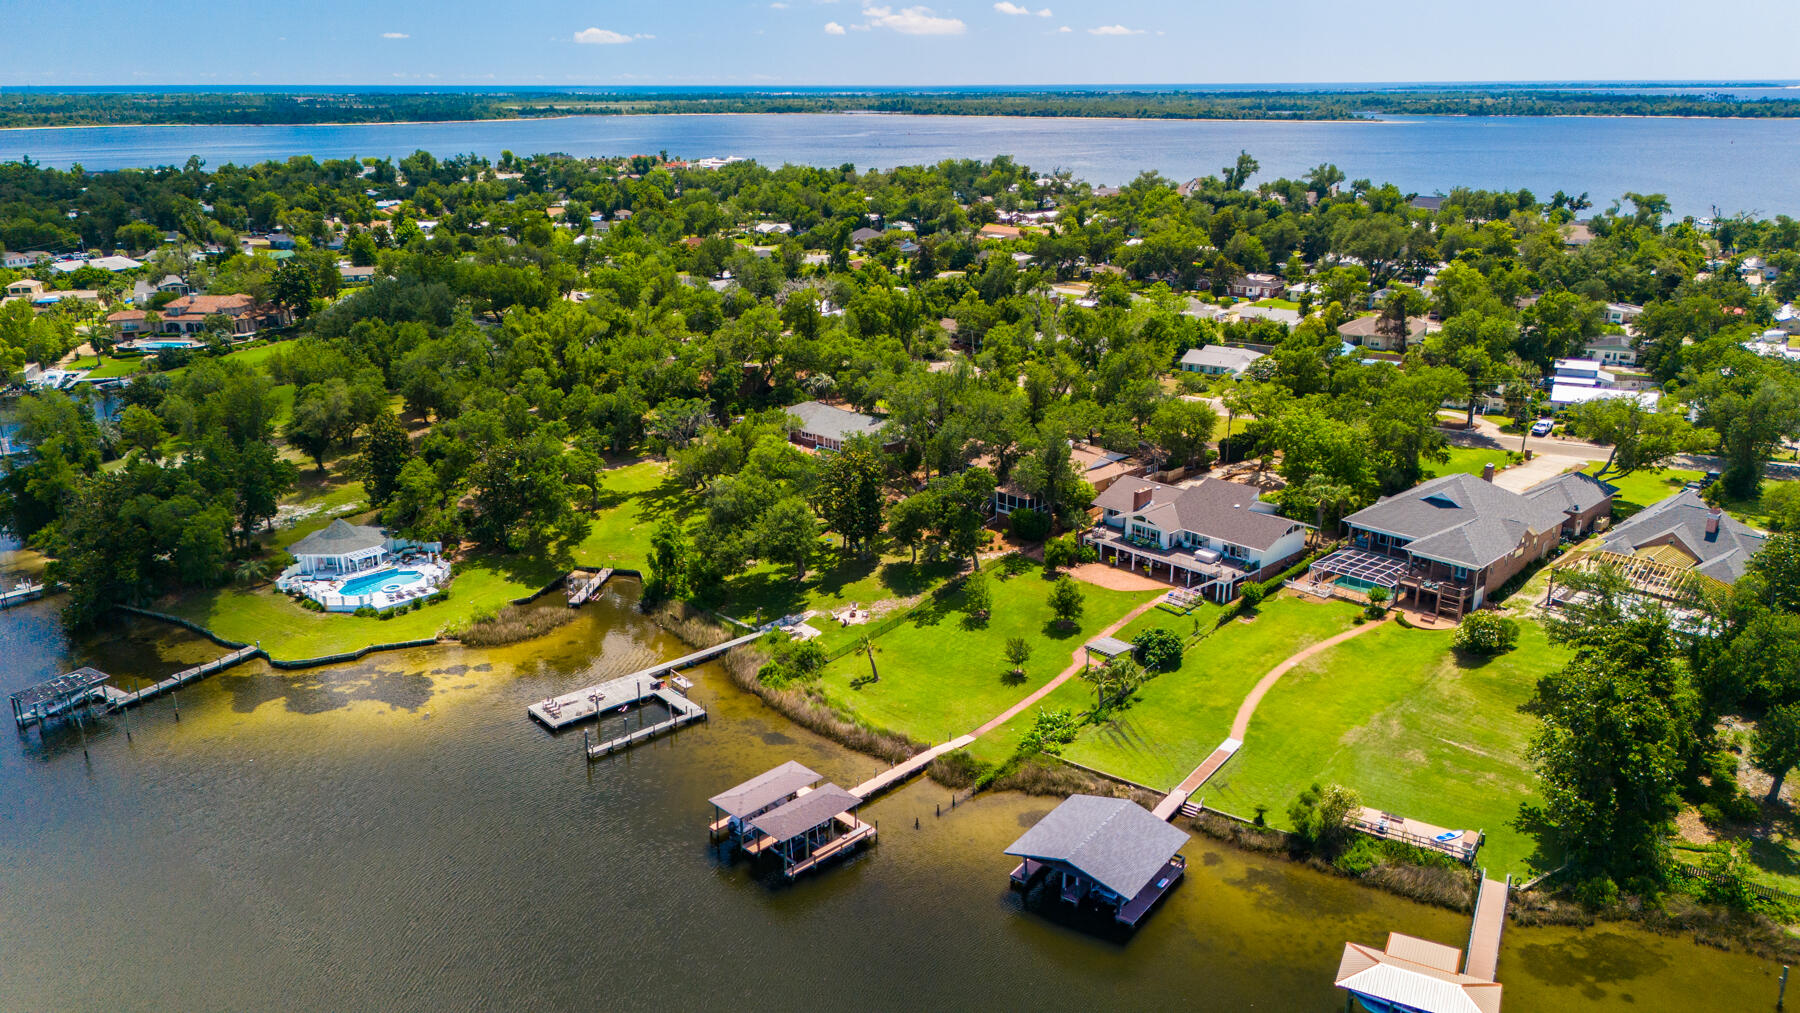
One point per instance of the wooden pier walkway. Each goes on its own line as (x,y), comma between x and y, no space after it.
(581,590)
(1483,960)
(1240,723)
(120,699)
(579,705)
(682,711)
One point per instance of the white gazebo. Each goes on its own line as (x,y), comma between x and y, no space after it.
(342,548)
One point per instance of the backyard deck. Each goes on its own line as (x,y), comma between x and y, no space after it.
(1458,844)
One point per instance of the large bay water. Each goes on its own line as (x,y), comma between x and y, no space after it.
(395,834)
(1701,164)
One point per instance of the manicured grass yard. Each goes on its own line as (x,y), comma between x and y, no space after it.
(633,498)
(1467,460)
(287,631)
(110,368)
(1644,488)
(942,676)
(1180,717)
(1397,715)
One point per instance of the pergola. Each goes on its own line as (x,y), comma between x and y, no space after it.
(1358,564)
(1668,574)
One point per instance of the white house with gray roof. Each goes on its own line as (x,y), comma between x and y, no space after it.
(1211,536)
(1218,360)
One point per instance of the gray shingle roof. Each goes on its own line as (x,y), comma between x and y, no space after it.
(1215,508)
(1573,492)
(1220,357)
(809,810)
(338,538)
(820,419)
(1723,556)
(1460,519)
(1114,841)
(764,789)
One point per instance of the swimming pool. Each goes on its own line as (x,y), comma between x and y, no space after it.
(380,580)
(164,345)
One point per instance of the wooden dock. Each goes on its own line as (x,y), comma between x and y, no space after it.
(120,699)
(559,712)
(584,588)
(19,595)
(1483,960)
(682,711)
(907,768)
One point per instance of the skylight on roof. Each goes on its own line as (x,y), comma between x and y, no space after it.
(1438,499)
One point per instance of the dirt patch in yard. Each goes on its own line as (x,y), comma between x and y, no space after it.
(1115,578)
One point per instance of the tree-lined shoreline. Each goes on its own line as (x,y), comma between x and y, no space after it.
(225,107)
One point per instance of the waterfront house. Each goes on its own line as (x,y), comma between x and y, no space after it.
(129,323)
(1210,537)
(187,315)
(1218,360)
(1106,853)
(1256,286)
(819,426)
(1444,545)
(1584,500)
(1667,548)
(346,566)
(1097,466)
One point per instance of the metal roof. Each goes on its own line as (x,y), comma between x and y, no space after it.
(1114,841)
(810,810)
(1412,985)
(69,684)
(765,789)
(1110,647)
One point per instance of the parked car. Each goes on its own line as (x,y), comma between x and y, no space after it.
(1542,427)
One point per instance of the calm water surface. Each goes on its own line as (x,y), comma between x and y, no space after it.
(1734,165)
(395,834)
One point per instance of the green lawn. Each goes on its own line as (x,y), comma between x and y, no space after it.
(1468,460)
(1280,304)
(942,676)
(110,368)
(1397,715)
(1180,717)
(289,632)
(633,498)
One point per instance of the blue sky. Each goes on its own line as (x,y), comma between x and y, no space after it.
(850,42)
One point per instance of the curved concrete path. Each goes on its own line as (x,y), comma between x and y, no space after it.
(1240,724)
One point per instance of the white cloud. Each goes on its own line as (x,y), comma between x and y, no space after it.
(600,37)
(1065,28)
(395,35)
(778,5)
(912,21)
(1115,30)
(833,28)
(1007,7)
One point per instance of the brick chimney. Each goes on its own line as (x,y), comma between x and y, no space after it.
(1712,521)
(1487,472)
(1140,498)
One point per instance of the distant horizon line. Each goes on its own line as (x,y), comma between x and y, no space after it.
(1532,83)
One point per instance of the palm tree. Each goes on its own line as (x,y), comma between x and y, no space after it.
(252,571)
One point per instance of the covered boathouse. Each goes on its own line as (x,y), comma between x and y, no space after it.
(1413,975)
(1110,853)
(782,813)
(734,809)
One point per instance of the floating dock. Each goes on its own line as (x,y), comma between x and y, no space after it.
(19,595)
(559,712)
(583,588)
